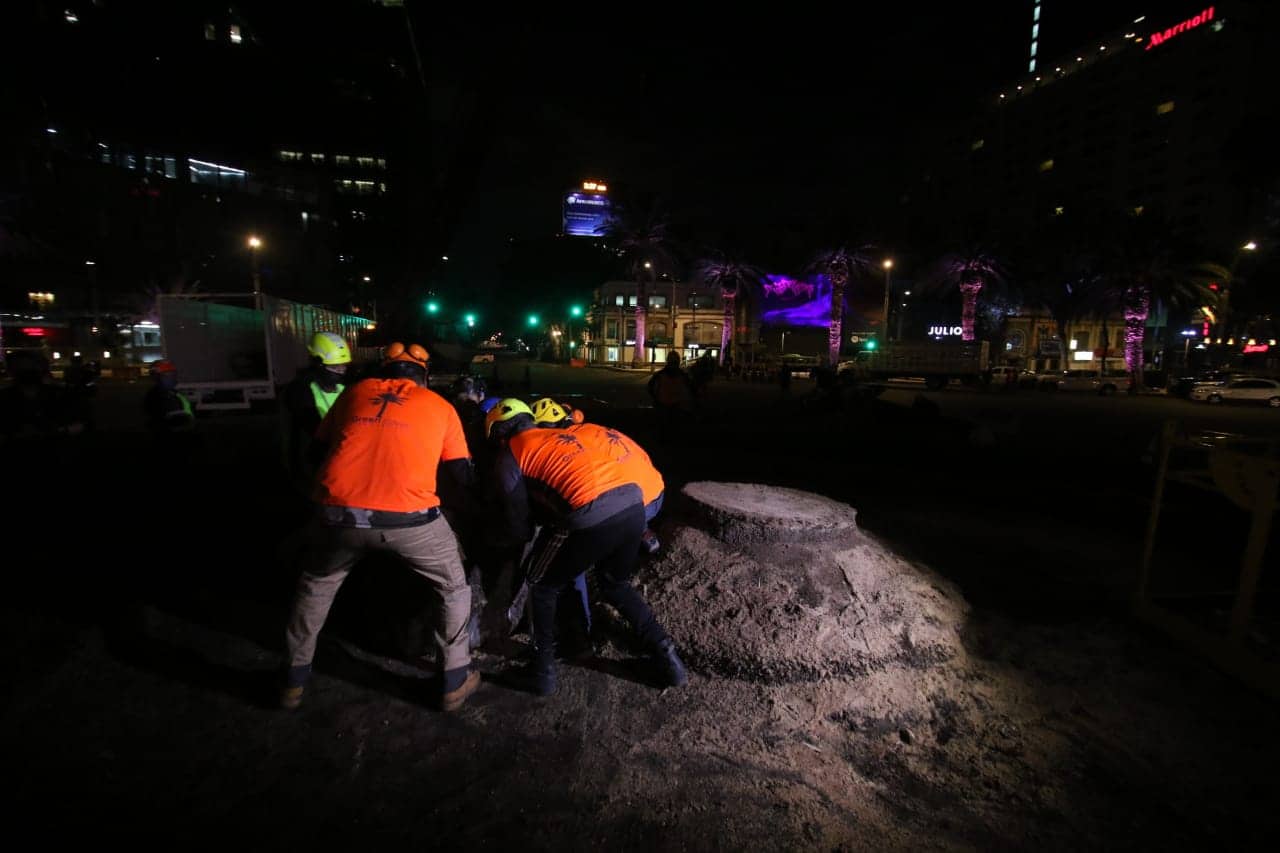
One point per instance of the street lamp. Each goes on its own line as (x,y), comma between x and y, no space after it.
(255,243)
(1225,301)
(888,273)
(574,311)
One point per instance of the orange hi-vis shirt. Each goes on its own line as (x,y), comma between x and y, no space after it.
(388,436)
(635,463)
(577,468)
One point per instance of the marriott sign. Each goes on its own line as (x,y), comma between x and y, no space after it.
(1177,29)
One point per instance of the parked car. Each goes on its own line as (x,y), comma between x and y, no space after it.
(1251,390)
(1004,376)
(1183,385)
(1088,380)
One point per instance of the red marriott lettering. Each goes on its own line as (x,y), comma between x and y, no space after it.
(1178,29)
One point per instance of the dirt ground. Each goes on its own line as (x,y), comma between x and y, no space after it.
(895,696)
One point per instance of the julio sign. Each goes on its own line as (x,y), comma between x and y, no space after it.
(945,331)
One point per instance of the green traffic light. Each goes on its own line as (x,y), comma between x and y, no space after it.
(533,319)
(471,319)
(576,311)
(433,307)
(871,344)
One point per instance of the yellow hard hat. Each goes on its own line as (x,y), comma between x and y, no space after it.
(548,411)
(330,348)
(505,411)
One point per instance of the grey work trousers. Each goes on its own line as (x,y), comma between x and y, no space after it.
(430,549)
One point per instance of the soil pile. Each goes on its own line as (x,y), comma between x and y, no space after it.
(775,585)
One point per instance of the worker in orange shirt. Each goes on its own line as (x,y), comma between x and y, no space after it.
(621,448)
(377,491)
(591,514)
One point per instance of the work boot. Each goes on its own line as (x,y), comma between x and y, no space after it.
(291,697)
(535,678)
(669,664)
(575,645)
(295,684)
(453,700)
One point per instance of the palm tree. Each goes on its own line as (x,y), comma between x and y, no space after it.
(734,278)
(839,265)
(386,398)
(970,270)
(644,242)
(1147,264)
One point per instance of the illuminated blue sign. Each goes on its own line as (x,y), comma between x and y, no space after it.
(586,214)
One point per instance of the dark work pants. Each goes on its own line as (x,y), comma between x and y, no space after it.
(613,547)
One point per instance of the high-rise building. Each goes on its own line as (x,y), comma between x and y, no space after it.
(1156,113)
(156,138)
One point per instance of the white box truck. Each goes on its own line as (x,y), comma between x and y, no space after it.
(935,362)
(231,349)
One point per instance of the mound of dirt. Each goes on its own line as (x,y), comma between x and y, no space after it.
(749,512)
(785,589)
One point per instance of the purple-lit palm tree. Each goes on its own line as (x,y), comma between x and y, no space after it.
(1149,265)
(734,278)
(970,271)
(644,242)
(840,265)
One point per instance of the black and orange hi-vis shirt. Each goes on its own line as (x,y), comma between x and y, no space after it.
(635,463)
(387,437)
(568,480)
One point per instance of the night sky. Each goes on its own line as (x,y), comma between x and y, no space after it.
(752,128)
(769,135)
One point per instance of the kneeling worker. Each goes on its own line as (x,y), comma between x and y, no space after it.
(621,449)
(377,492)
(592,514)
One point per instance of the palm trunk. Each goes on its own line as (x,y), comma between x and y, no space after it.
(1106,343)
(1137,304)
(726,333)
(1135,328)
(969,290)
(835,330)
(642,299)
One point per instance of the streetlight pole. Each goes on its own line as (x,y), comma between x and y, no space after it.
(1225,307)
(574,311)
(255,243)
(93,294)
(888,277)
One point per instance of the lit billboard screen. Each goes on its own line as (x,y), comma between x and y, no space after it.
(586,214)
(796,302)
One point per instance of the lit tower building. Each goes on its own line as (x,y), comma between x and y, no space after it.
(1035,34)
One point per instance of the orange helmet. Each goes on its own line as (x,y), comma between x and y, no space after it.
(413,353)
